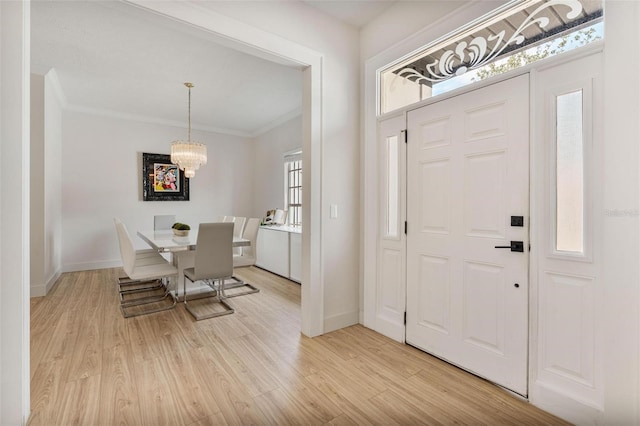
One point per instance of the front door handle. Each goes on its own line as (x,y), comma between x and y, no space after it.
(517,246)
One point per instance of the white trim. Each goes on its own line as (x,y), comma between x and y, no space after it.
(14,210)
(292,155)
(277,122)
(57,87)
(43,289)
(336,322)
(101,112)
(258,42)
(88,266)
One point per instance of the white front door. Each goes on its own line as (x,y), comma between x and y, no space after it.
(467,180)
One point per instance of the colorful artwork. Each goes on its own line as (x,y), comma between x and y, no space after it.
(162,180)
(166,178)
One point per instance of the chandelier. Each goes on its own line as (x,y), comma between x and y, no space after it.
(188,155)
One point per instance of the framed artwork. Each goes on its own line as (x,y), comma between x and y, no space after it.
(162,180)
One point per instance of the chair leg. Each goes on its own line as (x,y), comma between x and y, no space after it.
(127,314)
(147,300)
(218,294)
(131,287)
(238,283)
(139,286)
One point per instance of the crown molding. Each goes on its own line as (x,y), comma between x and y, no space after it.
(277,122)
(154,120)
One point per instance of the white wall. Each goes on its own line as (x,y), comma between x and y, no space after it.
(14,212)
(102,177)
(52,181)
(339,45)
(37,214)
(46,174)
(269,150)
(621,186)
(621,279)
(403,20)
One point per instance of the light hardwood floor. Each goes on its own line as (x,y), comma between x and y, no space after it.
(90,366)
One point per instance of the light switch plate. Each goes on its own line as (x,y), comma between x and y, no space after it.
(334,211)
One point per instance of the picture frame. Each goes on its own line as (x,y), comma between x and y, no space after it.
(162,180)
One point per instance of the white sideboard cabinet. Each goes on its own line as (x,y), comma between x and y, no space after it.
(279,250)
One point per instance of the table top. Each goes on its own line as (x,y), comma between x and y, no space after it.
(166,241)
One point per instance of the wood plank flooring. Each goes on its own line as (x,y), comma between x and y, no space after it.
(91,366)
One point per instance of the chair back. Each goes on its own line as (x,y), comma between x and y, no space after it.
(251,233)
(214,257)
(127,251)
(238,229)
(229,219)
(238,226)
(163,222)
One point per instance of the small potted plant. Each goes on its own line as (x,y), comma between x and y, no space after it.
(180,229)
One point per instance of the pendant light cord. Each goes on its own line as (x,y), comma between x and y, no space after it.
(189,133)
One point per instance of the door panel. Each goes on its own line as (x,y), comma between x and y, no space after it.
(391,284)
(568,361)
(467,174)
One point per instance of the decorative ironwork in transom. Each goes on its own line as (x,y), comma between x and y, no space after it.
(519,26)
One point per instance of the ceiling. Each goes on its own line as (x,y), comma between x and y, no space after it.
(117,59)
(354,12)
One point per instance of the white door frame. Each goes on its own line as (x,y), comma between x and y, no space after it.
(14,210)
(260,43)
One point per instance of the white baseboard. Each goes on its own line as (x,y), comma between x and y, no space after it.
(40,290)
(87,266)
(337,322)
(563,406)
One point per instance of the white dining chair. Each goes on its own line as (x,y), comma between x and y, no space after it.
(229,219)
(245,259)
(143,267)
(213,264)
(238,229)
(163,222)
(146,256)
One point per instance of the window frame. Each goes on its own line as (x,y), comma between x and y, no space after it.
(293,182)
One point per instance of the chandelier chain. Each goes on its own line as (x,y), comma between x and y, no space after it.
(189,131)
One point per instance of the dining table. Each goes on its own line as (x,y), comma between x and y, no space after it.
(182,252)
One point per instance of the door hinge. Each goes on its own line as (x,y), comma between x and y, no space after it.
(405,227)
(405,135)
(405,318)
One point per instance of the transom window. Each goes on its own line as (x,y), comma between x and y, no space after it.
(519,33)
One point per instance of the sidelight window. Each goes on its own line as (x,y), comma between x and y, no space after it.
(569,173)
